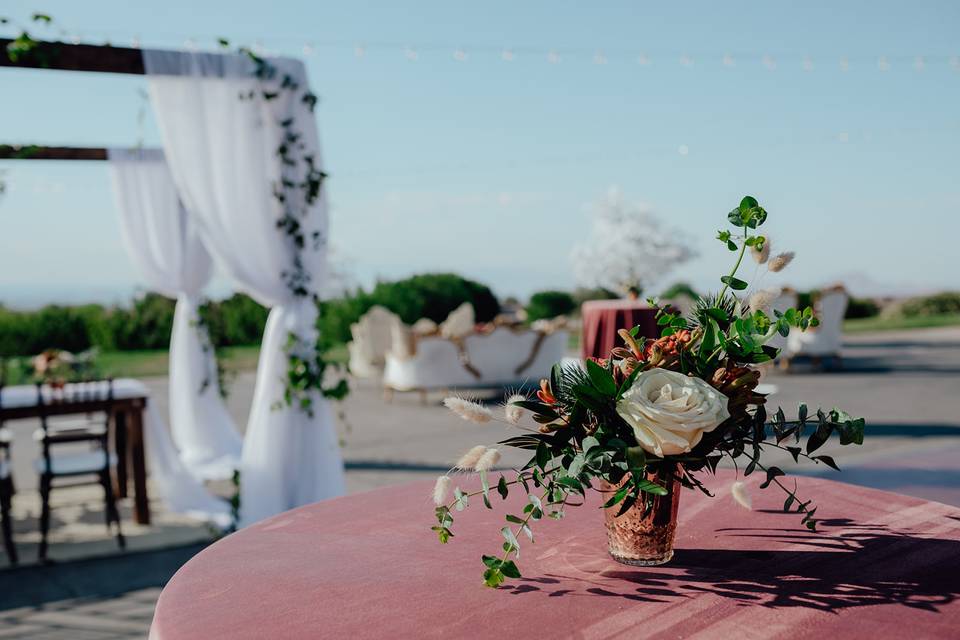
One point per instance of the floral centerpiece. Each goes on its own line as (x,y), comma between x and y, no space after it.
(652,418)
(56,367)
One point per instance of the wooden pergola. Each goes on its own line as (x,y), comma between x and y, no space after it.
(61,56)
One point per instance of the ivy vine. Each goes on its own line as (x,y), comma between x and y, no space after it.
(298,189)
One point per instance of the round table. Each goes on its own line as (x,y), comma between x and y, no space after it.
(368,566)
(602,319)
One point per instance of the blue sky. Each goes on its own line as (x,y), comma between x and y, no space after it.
(484,166)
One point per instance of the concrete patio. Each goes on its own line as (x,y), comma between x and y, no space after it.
(904,383)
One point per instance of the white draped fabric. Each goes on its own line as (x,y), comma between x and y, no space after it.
(221,136)
(165,247)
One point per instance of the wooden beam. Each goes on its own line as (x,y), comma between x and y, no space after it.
(76,57)
(34,152)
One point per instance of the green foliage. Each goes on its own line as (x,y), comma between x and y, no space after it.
(434,296)
(583,294)
(861,308)
(146,324)
(679,288)
(550,304)
(429,295)
(941,303)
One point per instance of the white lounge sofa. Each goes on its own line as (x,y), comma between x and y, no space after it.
(502,357)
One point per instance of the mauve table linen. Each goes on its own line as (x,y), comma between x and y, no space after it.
(882,565)
(603,318)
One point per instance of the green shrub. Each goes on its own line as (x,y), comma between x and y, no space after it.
(550,304)
(583,294)
(430,295)
(678,288)
(938,304)
(861,308)
(52,327)
(434,296)
(236,321)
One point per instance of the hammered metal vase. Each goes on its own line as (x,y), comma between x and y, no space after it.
(643,536)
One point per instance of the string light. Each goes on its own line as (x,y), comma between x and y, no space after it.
(683,150)
(919,63)
(843,137)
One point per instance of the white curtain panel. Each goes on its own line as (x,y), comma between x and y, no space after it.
(221,137)
(165,247)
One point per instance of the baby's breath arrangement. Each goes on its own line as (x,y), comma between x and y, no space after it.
(668,406)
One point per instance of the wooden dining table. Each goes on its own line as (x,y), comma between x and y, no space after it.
(881,565)
(20,402)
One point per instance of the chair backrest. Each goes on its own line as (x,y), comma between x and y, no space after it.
(460,322)
(830,309)
(371,333)
(90,397)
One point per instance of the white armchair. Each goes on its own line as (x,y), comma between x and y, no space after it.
(827,338)
(372,338)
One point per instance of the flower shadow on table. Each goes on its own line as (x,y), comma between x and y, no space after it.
(859,566)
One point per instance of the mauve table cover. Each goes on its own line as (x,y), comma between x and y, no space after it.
(601,319)
(882,565)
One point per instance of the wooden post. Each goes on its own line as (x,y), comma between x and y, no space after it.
(141,511)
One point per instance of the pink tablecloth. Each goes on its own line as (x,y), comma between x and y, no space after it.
(603,318)
(367,566)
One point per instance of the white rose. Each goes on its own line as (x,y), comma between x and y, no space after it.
(670,412)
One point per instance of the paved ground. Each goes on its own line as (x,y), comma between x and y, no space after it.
(906,384)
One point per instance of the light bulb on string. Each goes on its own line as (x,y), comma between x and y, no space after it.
(844,64)
(683,150)
(410,54)
(553,57)
(686,61)
(883,64)
(919,64)
(308,49)
(507,55)
(843,137)
(359,51)
(135,42)
(728,60)
(190,44)
(807,63)
(599,58)
(460,55)
(643,60)
(768,62)
(955,63)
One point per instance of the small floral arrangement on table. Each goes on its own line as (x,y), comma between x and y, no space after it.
(657,413)
(56,367)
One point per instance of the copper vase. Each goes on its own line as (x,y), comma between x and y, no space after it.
(643,536)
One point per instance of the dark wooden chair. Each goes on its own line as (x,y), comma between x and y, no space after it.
(6,492)
(61,458)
